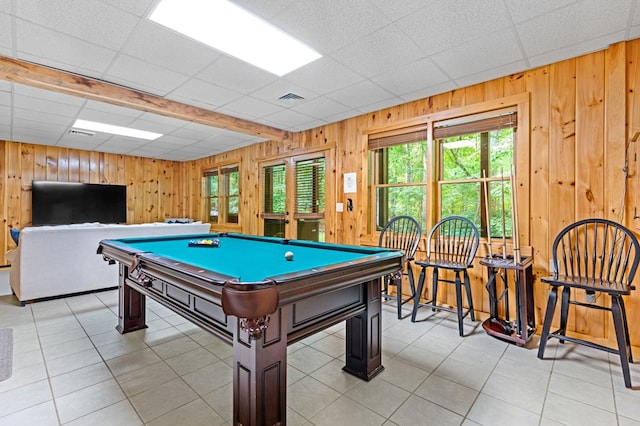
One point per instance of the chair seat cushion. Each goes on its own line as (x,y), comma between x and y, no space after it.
(592,284)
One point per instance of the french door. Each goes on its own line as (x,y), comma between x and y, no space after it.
(294,196)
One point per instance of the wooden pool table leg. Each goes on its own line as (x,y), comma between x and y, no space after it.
(260,374)
(364,336)
(132,305)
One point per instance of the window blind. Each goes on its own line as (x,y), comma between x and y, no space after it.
(477,123)
(310,186)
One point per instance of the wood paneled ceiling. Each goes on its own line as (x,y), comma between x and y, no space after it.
(103,60)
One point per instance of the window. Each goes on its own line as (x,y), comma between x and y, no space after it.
(222,189)
(466,149)
(310,199)
(398,176)
(471,148)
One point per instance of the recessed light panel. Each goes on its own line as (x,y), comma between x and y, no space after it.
(231,29)
(115,130)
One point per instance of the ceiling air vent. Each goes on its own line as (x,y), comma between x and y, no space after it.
(80,132)
(290,97)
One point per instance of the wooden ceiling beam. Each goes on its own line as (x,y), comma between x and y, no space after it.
(72,84)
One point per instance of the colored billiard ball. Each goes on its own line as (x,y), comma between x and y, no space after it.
(288,255)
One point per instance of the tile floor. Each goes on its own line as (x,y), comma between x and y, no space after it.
(71,367)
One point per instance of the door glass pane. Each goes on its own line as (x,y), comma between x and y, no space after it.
(310,186)
(274,189)
(311,230)
(274,228)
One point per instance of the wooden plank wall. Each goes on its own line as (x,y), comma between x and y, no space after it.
(154,187)
(582,111)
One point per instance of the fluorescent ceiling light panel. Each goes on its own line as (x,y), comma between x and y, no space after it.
(116,130)
(226,27)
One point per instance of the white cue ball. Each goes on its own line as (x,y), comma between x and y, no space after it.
(288,255)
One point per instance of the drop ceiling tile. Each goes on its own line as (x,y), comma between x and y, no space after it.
(139,7)
(176,140)
(549,32)
(327,26)
(382,104)
(430,91)
(89,20)
(493,73)
(161,119)
(162,145)
(33,137)
(40,118)
(5,99)
(407,79)
(364,58)
(320,107)
(264,9)
(272,92)
(288,119)
(106,108)
(149,152)
(521,10)
(6,39)
(5,6)
(235,74)
(323,75)
(45,106)
(488,52)
(151,126)
(47,95)
(573,50)
(400,8)
(84,144)
(205,95)
(187,133)
(43,46)
(360,94)
(249,108)
(133,72)
(165,48)
(446,24)
(104,117)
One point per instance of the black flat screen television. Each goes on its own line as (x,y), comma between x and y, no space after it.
(61,203)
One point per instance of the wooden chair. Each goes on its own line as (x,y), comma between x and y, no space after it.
(400,233)
(600,257)
(451,245)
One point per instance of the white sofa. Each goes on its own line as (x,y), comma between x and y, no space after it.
(58,260)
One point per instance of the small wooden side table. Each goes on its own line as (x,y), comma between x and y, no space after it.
(524,326)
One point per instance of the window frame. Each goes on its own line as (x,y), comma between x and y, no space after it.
(521,154)
(221,170)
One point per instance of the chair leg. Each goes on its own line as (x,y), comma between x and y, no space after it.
(623,311)
(467,287)
(460,308)
(434,289)
(564,311)
(399,296)
(621,333)
(416,297)
(548,317)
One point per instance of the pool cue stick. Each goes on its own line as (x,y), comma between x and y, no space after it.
(487,210)
(504,237)
(514,217)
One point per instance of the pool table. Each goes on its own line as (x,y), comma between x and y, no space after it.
(242,289)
